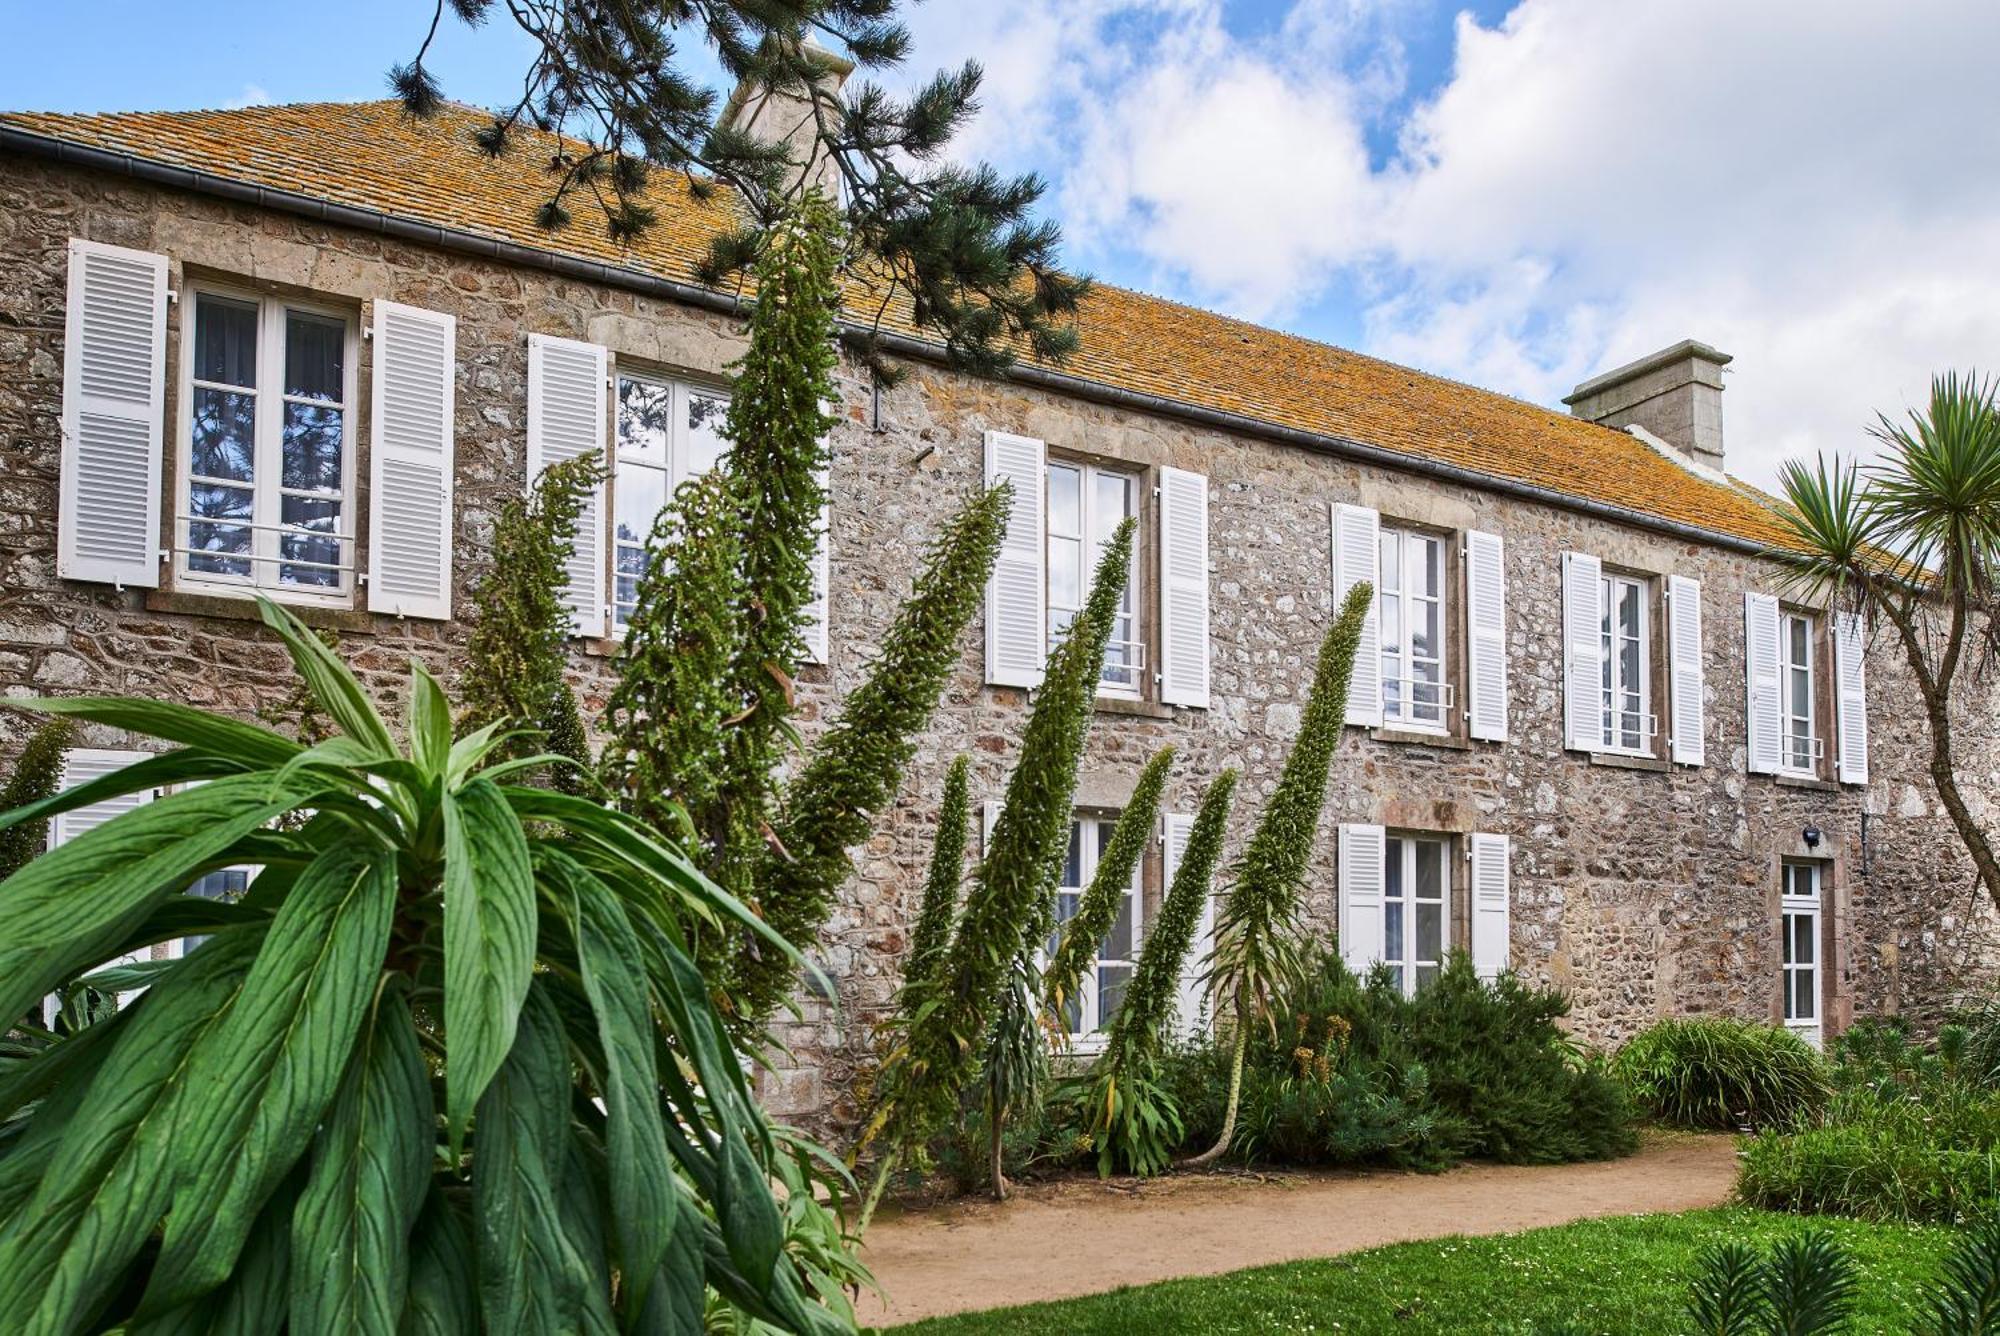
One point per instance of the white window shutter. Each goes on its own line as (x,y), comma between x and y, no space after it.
(1363,858)
(1016,609)
(1486,636)
(80,766)
(113,416)
(1189,994)
(1684,675)
(1183,588)
(568,403)
(1492,901)
(1760,663)
(989,816)
(1851,695)
(1583,651)
(815,612)
(1357,556)
(410,477)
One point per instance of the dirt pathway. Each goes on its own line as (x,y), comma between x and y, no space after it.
(1084,1237)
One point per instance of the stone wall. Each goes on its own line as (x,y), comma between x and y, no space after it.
(1642,890)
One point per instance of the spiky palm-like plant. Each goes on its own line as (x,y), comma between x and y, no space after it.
(1913,543)
(1805,1286)
(1132,1121)
(1097,909)
(276,1133)
(929,1067)
(939,907)
(1257,932)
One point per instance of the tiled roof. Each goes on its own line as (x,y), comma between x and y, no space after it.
(372,156)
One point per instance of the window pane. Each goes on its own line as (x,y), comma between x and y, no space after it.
(1430,567)
(1628,608)
(1391,561)
(1067,903)
(1424,631)
(1426,974)
(1111,503)
(1805,1006)
(1072,869)
(1795,630)
(1785,937)
(1805,949)
(1117,943)
(225,341)
(1392,931)
(706,444)
(645,421)
(638,496)
(223,435)
(1065,573)
(315,348)
(322,517)
(1430,870)
(1430,930)
(1065,501)
(312,446)
(1112,981)
(209,503)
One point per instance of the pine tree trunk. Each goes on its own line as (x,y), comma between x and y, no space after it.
(1221,1146)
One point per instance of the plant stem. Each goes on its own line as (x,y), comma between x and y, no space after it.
(1236,1051)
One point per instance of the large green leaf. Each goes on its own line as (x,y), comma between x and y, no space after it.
(643,1191)
(489,940)
(110,1178)
(217,734)
(531,1280)
(59,1078)
(370,1167)
(585,1203)
(138,857)
(332,685)
(430,722)
(260,1082)
(142,776)
(256,1297)
(441,1299)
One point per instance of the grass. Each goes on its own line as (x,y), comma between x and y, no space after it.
(1621,1275)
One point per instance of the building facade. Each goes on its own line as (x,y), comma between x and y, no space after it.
(309,350)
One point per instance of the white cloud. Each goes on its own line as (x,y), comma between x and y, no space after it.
(253,95)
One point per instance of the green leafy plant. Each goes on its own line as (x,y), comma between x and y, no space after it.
(1805,1286)
(257,1141)
(939,907)
(1719,1072)
(38,774)
(1966,1300)
(1257,932)
(933,1058)
(1134,1120)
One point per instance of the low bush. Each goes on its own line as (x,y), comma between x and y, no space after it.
(1717,1072)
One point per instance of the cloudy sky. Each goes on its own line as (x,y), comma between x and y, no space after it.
(1517,195)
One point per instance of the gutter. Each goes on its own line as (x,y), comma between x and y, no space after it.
(462,242)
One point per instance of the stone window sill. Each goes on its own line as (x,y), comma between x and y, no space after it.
(225,607)
(1138,709)
(1414,737)
(1806,782)
(1621,761)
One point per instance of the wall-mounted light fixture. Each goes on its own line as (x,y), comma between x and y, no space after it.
(1811,836)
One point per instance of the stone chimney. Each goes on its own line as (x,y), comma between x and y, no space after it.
(785,116)
(1675,395)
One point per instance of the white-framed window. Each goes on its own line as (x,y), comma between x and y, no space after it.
(227,884)
(1089,1013)
(1085,505)
(1798,737)
(1414,691)
(1416,908)
(667,432)
(1626,666)
(266,447)
(1799,950)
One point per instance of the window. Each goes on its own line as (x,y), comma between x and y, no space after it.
(1799,953)
(1415,899)
(267,458)
(226,884)
(667,433)
(1627,670)
(1414,692)
(1104,983)
(1085,505)
(1801,748)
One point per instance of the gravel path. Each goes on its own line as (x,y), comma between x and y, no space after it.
(1083,1237)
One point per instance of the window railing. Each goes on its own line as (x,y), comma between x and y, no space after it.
(1406,695)
(1617,724)
(1807,758)
(286,530)
(1129,672)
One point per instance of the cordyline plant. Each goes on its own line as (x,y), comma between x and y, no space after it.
(1913,543)
(1257,932)
(1134,1123)
(256,1142)
(940,1044)
(939,906)
(1097,908)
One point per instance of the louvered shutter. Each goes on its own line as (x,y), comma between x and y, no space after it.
(989,816)
(1684,674)
(113,414)
(1486,637)
(1760,663)
(1189,995)
(410,476)
(80,766)
(1016,615)
(1183,588)
(1357,556)
(568,402)
(1583,651)
(1851,697)
(815,612)
(1492,901)
(1361,878)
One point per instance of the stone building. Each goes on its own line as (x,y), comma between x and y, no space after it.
(308,349)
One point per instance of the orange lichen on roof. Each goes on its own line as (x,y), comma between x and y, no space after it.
(371,155)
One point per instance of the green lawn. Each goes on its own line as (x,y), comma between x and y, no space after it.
(1623,1275)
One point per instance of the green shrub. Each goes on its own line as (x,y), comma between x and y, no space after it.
(1718,1072)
